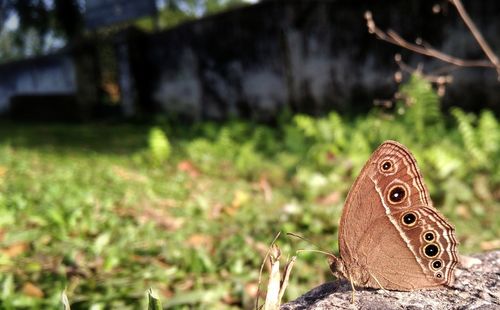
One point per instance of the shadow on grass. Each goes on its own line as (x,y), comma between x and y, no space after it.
(115,138)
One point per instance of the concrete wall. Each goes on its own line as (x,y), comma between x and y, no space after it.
(308,54)
(49,75)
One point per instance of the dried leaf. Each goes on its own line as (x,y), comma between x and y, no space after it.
(216,210)
(463,211)
(32,290)
(160,217)
(482,188)
(148,214)
(113,90)
(266,189)
(260,247)
(239,199)
(166,292)
(188,167)
(251,289)
(185,285)
(129,175)
(3,171)
(490,245)
(200,241)
(15,249)
(329,199)
(166,203)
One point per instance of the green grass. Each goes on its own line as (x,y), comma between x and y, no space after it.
(108,211)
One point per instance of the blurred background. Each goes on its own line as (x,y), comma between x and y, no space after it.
(164,143)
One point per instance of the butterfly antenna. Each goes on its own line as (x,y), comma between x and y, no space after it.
(316,251)
(314,244)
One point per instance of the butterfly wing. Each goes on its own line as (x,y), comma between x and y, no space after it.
(390,235)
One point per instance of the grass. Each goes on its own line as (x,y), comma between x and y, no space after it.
(108,211)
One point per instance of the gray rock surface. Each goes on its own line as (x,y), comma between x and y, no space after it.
(476,286)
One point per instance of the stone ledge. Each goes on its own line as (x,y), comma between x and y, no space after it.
(477,287)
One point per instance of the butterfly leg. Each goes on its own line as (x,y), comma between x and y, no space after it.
(353,289)
(376,280)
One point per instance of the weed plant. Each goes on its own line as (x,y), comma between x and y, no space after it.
(106,212)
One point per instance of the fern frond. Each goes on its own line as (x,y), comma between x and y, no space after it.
(468,135)
(421,110)
(306,124)
(488,132)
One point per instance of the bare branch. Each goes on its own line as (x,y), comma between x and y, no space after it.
(433,78)
(422,48)
(441,77)
(477,35)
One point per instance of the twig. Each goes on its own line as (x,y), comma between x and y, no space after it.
(477,35)
(440,79)
(394,38)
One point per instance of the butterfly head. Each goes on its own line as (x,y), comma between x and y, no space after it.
(337,266)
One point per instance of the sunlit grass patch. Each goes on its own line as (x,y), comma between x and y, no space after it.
(103,212)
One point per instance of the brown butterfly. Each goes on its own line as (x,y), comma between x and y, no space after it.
(390,235)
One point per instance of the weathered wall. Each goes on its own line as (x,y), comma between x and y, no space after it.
(311,55)
(49,75)
(64,86)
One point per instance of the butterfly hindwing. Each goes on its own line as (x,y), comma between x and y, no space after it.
(390,235)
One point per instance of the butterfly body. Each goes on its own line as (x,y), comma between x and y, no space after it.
(390,235)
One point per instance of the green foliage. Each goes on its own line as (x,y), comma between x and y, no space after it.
(421,112)
(178,11)
(154,302)
(159,146)
(481,139)
(37,19)
(82,208)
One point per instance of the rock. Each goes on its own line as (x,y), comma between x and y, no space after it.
(476,287)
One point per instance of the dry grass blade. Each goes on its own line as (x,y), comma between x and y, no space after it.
(286,277)
(65,301)
(273,287)
(262,269)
